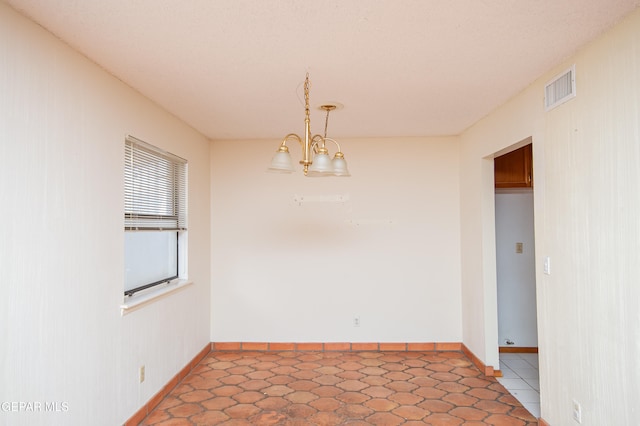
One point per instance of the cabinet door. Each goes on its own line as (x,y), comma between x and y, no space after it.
(514,169)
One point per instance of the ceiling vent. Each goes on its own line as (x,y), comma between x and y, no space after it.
(561,89)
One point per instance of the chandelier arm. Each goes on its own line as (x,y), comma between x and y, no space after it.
(290,136)
(316,142)
(334,141)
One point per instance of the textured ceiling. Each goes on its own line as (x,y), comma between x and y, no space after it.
(233,69)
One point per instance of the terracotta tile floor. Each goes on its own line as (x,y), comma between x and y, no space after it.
(338,388)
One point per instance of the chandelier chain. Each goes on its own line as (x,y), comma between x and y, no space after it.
(306,95)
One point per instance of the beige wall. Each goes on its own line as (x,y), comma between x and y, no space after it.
(389,253)
(587,202)
(410,249)
(62,337)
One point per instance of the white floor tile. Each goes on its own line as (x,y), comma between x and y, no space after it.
(508,373)
(526,372)
(526,395)
(528,356)
(534,383)
(533,408)
(515,384)
(531,359)
(509,356)
(520,376)
(516,363)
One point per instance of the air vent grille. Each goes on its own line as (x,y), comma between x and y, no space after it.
(561,89)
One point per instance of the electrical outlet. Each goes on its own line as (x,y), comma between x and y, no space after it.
(519,248)
(577,411)
(356,321)
(141,374)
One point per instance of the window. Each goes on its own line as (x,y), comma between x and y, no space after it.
(155,217)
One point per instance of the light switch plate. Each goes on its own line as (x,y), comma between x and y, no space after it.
(547,265)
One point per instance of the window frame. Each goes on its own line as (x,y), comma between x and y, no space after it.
(155,201)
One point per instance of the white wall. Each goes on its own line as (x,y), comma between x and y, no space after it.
(62,337)
(516,275)
(285,272)
(392,250)
(587,203)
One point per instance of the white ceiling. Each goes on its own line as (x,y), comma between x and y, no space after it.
(233,69)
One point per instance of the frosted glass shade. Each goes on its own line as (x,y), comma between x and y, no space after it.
(281,162)
(321,165)
(340,165)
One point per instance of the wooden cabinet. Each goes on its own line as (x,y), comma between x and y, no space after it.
(514,169)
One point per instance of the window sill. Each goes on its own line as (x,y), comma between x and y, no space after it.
(143,298)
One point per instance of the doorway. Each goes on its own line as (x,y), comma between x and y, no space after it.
(515,274)
(515,249)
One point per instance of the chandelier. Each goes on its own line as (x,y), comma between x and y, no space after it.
(315,155)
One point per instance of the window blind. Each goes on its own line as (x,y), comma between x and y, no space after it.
(155,188)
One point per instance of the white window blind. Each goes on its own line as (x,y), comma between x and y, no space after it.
(155,215)
(155,188)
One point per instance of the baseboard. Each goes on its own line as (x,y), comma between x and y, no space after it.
(487,370)
(335,346)
(147,408)
(517,350)
(345,346)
